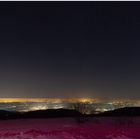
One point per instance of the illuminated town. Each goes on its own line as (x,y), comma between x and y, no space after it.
(84,105)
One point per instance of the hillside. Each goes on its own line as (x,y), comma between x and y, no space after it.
(58,113)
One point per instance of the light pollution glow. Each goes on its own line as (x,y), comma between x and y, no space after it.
(67,100)
(33,104)
(52,100)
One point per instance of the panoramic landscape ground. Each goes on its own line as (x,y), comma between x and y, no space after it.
(93,127)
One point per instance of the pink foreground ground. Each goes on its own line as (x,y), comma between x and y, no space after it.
(103,127)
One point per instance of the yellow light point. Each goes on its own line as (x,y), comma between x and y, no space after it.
(38,108)
(84,100)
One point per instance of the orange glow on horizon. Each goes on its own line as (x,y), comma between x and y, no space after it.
(55,100)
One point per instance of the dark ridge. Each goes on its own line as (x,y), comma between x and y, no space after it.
(49,113)
(57,113)
(9,114)
(126,111)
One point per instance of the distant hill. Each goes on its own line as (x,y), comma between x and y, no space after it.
(49,113)
(55,113)
(9,114)
(126,111)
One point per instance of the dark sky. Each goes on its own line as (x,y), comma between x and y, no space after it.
(70,49)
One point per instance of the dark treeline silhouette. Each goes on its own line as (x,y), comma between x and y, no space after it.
(56,113)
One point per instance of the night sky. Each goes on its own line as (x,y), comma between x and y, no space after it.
(70,49)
